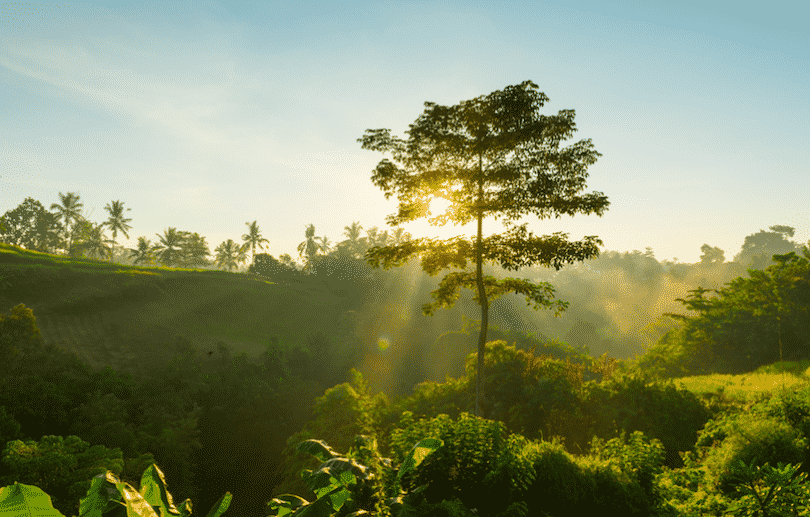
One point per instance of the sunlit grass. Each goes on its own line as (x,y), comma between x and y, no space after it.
(746,386)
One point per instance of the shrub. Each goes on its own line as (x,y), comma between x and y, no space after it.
(754,439)
(478,464)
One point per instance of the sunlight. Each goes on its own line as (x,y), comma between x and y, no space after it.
(422,228)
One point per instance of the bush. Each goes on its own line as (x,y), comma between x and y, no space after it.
(754,439)
(478,464)
(668,413)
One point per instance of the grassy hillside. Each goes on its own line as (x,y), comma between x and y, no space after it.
(109,313)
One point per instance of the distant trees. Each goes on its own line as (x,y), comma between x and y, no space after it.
(69,212)
(309,248)
(750,322)
(31,226)
(116,221)
(169,247)
(492,155)
(230,254)
(711,256)
(353,245)
(144,253)
(253,238)
(758,248)
(194,250)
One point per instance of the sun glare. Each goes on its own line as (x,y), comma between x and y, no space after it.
(422,228)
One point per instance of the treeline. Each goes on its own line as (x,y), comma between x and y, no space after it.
(66,230)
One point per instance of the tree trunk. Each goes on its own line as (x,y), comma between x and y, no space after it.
(482,297)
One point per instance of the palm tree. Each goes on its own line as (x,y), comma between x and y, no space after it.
(96,243)
(254,238)
(230,254)
(144,253)
(169,247)
(325,245)
(399,237)
(309,248)
(354,243)
(70,211)
(117,221)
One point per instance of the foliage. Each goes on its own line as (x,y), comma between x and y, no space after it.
(495,141)
(193,250)
(169,247)
(758,248)
(266,265)
(253,238)
(310,248)
(230,254)
(749,437)
(31,226)
(780,491)
(69,212)
(144,253)
(106,495)
(343,485)
(117,222)
(479,464)
(18,331)
(752,322)
(630,403)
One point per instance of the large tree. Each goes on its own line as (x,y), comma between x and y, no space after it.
(117,222)
(70,212)
(494,155)
(253,238)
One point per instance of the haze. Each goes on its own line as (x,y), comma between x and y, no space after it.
(205,115)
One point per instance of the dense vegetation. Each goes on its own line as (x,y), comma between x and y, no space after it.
(157,380)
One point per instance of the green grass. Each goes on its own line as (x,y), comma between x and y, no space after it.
(111,313)
(746,387)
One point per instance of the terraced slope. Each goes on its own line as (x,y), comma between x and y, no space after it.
(121,316)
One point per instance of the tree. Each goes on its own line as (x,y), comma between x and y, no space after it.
(193,250)
(757,250)
(751,322)
(117,222)
(253,238)
(353,245)
(169,249)
(310,248)
(70,212)
(31,226)
(506,159)
(144,253)
(711,255)
(325,244)
(230,254)
(95,243)
(288,261)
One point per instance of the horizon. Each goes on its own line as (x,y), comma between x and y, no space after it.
(204,116)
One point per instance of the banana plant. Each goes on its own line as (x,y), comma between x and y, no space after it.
(107,497)
(342,481)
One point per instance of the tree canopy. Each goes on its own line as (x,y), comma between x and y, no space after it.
(494,155)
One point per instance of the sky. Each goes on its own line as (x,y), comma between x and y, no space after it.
(206,115)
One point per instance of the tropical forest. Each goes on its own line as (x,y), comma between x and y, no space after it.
(382,374)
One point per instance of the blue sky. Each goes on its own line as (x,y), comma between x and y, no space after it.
(206,115)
